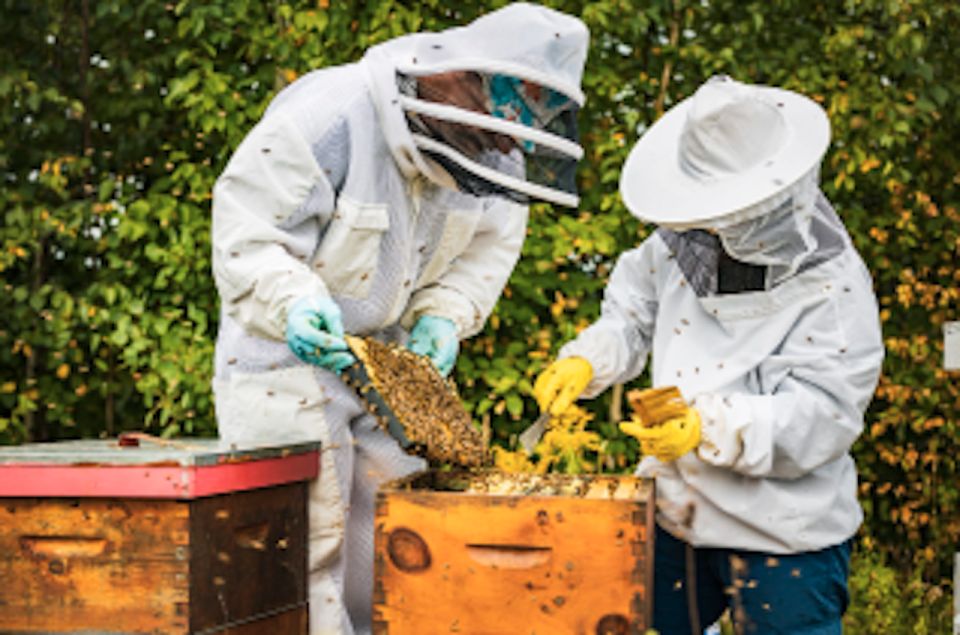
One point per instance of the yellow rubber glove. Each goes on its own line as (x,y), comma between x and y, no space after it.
(669,440)
(561,383)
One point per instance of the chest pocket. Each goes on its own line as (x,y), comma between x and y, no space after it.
(349,252)
(457,233)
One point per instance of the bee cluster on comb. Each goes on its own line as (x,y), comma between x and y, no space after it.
(426,406)
(654,406)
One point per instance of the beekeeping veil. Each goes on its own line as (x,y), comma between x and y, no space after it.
(489,108)
(742,162)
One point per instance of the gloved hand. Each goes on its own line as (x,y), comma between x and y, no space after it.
(669,440)
(315,333)
(561,384)
(435,338)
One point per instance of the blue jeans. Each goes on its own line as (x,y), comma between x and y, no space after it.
(797,594)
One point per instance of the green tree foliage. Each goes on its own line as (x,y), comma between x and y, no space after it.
(118,116)
(883,600)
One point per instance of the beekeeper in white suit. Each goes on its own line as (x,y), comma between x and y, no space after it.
(752,301)
(374,198)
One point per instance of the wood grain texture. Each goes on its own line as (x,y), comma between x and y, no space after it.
(250,555)
(291,622)
(232,564)
(450,562)
(68,563)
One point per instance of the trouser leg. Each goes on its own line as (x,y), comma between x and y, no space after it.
(672,611)
(798,594)
(378,458)
(327,510)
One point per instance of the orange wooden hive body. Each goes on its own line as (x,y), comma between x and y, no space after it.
(100,539)
(533,562)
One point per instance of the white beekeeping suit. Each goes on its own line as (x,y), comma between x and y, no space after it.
(362,186)
(752,300)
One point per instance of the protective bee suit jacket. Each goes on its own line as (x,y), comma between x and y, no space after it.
(330,195)
(780,371)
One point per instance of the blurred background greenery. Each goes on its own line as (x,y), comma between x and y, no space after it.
(118,117)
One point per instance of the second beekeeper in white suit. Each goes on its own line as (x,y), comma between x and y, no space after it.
(751,299)
(372,199)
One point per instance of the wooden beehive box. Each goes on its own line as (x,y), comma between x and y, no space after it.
(181,538)
(493,553)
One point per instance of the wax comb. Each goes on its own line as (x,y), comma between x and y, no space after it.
(653,406)
(414,404)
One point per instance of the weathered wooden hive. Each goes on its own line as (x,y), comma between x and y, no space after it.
(179,538)
(485,552)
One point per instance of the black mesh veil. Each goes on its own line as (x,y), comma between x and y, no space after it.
(496,134)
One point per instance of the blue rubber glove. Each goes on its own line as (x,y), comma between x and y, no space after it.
(435,338)
(315,333)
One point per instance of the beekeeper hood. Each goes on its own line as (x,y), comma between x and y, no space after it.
(490,107)
(741,161)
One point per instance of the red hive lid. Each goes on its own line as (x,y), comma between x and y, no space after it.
(138,466)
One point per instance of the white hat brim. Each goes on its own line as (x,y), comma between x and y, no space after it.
(656,189)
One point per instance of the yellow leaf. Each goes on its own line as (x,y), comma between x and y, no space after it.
(63,371)
(512,462)
(8,387)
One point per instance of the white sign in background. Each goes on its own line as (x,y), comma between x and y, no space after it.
(951,346)
(956,593)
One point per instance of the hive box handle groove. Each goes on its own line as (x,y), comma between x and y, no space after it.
(63,546)
(510,556)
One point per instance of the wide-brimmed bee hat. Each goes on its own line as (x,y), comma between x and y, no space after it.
(712,158)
